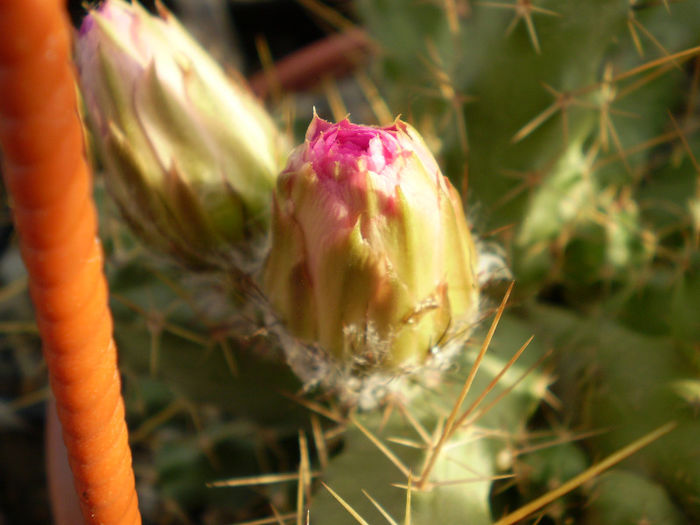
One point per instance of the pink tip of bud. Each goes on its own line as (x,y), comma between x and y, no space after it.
(337,149)
(342,154)
(86,26)
(116,12)
(123,19)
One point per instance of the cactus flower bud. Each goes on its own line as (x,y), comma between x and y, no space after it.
(371,259)
(190,156)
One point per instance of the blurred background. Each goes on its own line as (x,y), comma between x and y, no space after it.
(571,130)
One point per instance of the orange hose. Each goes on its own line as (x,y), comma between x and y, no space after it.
(50,186)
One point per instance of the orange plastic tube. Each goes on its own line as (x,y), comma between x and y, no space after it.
(50,187)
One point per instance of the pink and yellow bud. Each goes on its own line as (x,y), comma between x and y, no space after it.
(371,258)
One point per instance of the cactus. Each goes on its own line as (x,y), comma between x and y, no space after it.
(624,497)
(578,139)
(570,129)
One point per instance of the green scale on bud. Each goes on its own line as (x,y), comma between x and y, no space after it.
(190,156)
(372,262)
